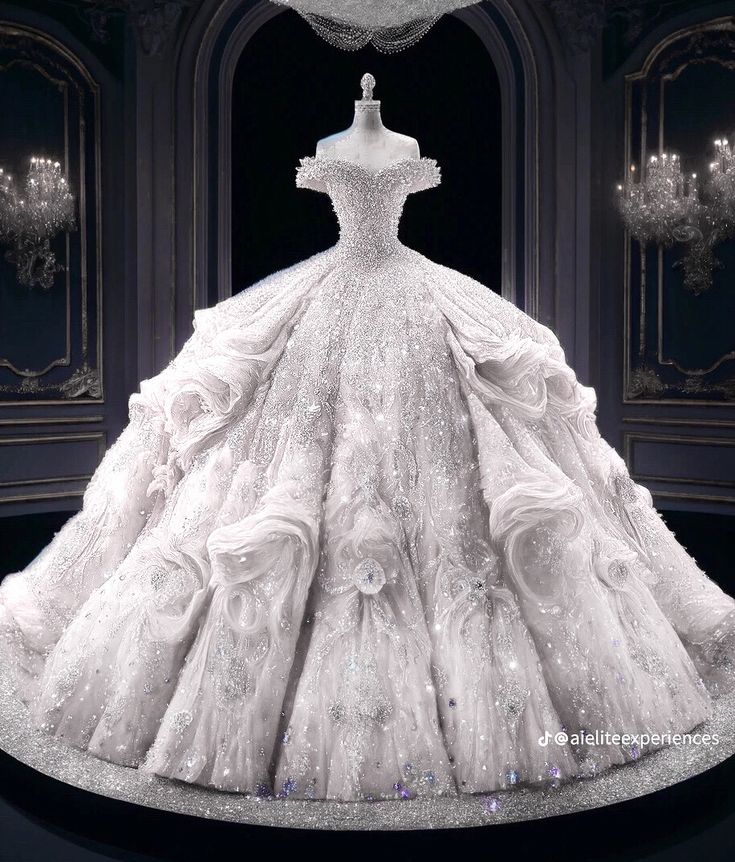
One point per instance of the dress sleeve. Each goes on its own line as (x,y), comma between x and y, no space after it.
(309,175)
(425,174)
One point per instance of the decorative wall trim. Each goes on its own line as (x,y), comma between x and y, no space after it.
(51,420)
(631,438)
(156,21)
(98,437)
(36,498)
(682,497)
(689,423)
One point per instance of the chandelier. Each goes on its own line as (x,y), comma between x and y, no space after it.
(666,207)
(389,25)
(31,215)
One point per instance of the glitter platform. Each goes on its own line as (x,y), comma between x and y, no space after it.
(654,772)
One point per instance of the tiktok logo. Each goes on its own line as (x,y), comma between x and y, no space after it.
(559,738)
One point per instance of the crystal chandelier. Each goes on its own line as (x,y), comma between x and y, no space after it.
(666,207)
(31,216)
(389,25)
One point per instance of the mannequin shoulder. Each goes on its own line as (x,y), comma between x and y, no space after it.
(350,145)
(331,145)
(404,146)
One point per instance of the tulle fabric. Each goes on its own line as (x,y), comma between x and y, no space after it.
(362,540)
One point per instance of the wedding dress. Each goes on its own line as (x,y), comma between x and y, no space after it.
(362,540)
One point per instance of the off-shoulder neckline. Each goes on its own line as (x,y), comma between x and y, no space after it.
(408,160)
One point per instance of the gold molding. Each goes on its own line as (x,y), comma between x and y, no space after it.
(723,23)
(53,45)
(65,402)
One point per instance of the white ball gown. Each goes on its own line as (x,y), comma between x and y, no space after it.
(362,540)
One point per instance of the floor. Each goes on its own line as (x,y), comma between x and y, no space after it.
(42,820)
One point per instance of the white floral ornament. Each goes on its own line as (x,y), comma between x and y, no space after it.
(369,576)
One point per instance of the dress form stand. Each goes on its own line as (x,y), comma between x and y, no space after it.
(367,141)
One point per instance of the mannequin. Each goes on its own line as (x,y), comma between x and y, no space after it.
(367,141)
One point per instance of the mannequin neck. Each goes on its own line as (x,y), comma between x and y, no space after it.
(367,117)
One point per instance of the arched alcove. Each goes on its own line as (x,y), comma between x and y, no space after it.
(279,110)
(519,256)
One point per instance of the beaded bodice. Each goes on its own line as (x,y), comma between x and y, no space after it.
(368,203)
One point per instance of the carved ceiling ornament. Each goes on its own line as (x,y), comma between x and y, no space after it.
(580,23)
(155,21)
